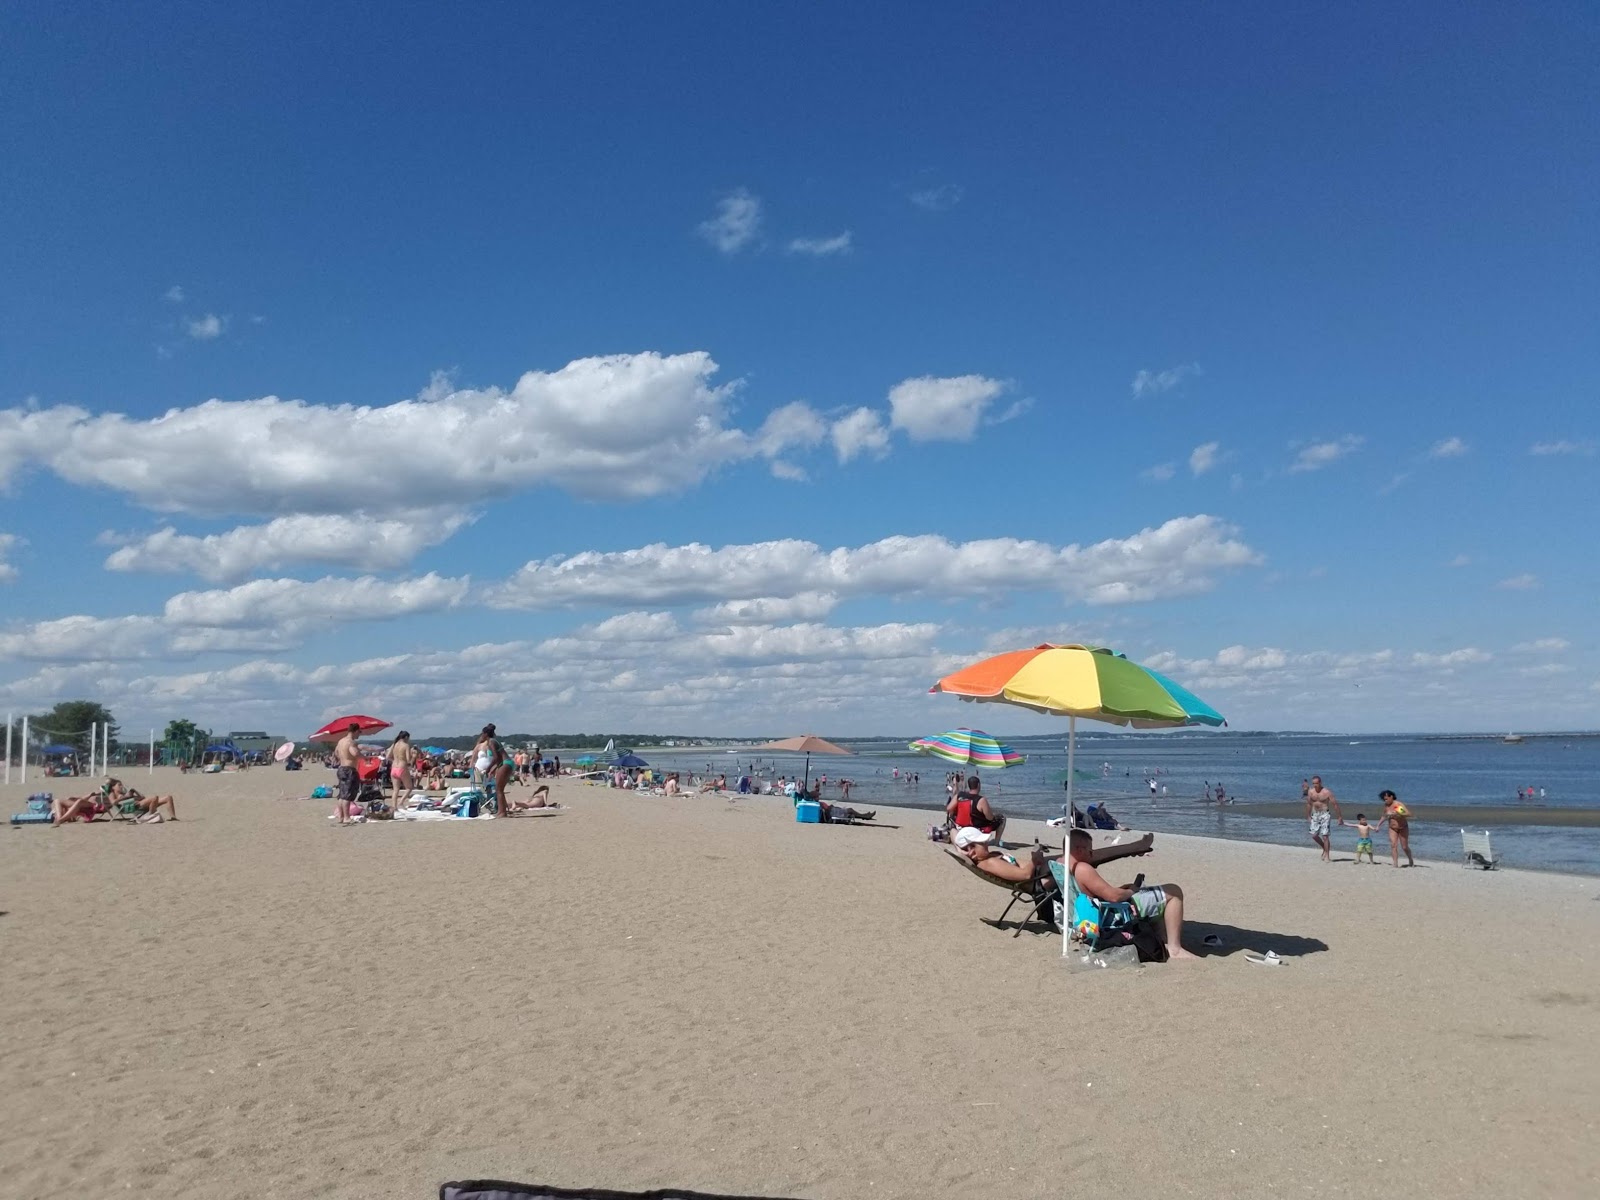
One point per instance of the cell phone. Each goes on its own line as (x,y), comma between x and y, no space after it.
(1138,881)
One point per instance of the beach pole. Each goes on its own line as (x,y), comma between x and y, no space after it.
(8,748)
(1072,756)
(24,747)
(92,728)
(152,759)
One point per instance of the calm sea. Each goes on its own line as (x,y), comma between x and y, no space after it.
(1114,768)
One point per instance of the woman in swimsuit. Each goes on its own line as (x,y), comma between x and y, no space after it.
(1398,818)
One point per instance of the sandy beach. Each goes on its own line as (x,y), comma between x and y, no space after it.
(697,992)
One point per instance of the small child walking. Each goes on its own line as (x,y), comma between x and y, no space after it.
(1364,839)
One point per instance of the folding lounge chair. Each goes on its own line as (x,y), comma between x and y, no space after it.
(1086,916)
(1038,893)
(1476,851)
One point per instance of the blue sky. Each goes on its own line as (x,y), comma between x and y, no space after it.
(729,368)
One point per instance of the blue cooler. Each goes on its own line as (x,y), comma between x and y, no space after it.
(808,812)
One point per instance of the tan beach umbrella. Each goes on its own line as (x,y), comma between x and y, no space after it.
(807,744)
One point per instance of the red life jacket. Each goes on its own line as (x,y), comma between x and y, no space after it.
(968,816)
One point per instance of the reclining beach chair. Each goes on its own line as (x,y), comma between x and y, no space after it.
(1039,894)
(1476,851)
(1094,927)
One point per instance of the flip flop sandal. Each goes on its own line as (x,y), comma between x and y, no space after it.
(1211,939)
(1263,960)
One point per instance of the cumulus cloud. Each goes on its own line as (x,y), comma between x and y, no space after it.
(736,224)
(1321,454)
(1451,447)
(1564,447)
(1467,656)
(358,541)
(624,426)
(8,543)
(175,294)
(266,614)
(940,198)
(945,410)
(1519,583)
(1148,383)
(1549,645)
(860,432)
(1181,557)
(793,425)
(206,328)
(294,602)
(770,610)
(1203,457)
(1160,473)
(822,247)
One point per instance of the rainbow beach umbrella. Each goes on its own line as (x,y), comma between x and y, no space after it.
(969,747)
(1080,681)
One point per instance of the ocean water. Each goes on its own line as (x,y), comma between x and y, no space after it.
(1113,768)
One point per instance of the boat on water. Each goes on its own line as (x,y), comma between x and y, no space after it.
(1512,739)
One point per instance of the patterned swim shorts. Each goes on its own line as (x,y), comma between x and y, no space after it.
(1321,822)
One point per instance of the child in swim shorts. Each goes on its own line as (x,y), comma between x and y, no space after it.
(1364,839)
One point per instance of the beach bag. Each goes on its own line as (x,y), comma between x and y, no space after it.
(321,792)
(39,802)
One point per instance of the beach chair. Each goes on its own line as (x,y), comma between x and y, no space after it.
(1476,851)
(1039,894)
(1091,926)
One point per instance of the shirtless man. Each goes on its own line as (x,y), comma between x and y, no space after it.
(1318,799)
(346,756)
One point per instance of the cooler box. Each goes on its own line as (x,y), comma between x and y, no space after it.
(808,812)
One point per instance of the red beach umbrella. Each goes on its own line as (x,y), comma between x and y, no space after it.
(339,726)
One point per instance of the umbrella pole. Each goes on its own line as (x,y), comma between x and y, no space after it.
(807,784)
(1072,755)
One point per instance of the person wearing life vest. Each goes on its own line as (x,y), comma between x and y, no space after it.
(970,810)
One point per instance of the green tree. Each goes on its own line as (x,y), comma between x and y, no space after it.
(68,723)
(185,733)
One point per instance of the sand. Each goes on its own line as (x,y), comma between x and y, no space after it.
(700,993)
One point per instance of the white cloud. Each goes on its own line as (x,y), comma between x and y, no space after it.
(937,199)
(624,426)
(1181,557)
(820,247)
(204,329)
(1586,447)
(946,410)
(358,541)
(793,425)
(1549,645)
(1203,457)
(737,223)
(789,472)
(175,294)
(1321,454)
(1519,583)
(1153,383)
(268,603)
(78,638)
(861,432)
(770,610)
(1160,473)
(8,543)
(1011,412)
(1451,447)
(1460,560)
(1467,656)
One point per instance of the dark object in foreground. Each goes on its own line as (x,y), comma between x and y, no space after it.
(499,1189)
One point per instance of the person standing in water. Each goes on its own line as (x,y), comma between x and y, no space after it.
(1318,801)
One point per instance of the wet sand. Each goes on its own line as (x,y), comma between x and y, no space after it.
(701,993)
(1459,816)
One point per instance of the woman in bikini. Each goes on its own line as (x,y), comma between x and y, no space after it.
(1398,818)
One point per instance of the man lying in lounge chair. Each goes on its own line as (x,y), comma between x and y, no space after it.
(1017,869)
(1163,902)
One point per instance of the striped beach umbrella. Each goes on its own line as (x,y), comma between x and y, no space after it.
(1080,681)
(969,747)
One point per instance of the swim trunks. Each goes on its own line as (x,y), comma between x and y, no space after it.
(1363,845)
(1149,902)
(349,784)
(1321,822)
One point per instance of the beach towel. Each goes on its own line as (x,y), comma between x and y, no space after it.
(499,1189)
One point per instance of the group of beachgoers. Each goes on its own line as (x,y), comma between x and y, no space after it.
(405,775)
(1322,810)
(976,828)
(113,800)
